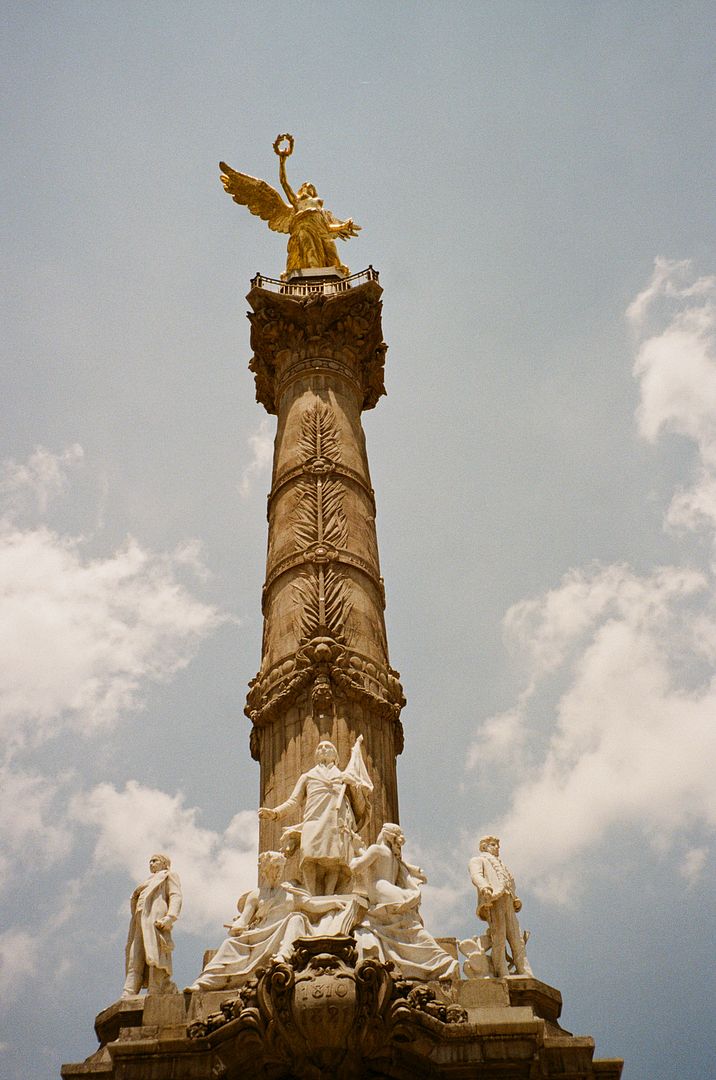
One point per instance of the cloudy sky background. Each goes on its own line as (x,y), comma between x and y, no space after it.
(535,184)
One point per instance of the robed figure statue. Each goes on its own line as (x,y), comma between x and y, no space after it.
(333,806)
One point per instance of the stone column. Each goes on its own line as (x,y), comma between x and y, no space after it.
(318,361)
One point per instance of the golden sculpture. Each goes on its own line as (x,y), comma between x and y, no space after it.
(312,229)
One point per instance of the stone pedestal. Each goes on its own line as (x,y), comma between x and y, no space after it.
(324,1014)
(148,1020)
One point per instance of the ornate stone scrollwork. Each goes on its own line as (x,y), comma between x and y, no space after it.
(342,331)
(324,1013)
(335,672)
(425,999)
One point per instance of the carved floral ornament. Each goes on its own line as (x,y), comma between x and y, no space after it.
(354,676)
(343,674)
(342,332)
(321,1008)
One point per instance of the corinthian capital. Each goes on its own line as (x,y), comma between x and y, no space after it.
(340,333)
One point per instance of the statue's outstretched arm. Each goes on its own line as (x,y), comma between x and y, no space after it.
(342,229)
(292,802)
(416,872)
(290,193)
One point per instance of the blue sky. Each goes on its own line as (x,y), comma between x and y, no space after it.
(535,186)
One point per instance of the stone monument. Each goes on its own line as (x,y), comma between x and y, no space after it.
(327,969)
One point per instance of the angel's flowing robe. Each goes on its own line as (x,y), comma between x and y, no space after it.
(311,243)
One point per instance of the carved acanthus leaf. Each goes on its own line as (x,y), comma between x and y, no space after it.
(319,433)
(335,524)
(308,589)
(336,604)
(305,515)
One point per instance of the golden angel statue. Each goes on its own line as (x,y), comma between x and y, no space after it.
(312,229)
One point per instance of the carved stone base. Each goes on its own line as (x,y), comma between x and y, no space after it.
(323,1014)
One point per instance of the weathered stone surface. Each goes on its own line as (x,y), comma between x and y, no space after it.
(127,1012)
(326,1013)
(482,993)
(449,944)
(325,671)
(543,999)
(324,1010)
(166,1012)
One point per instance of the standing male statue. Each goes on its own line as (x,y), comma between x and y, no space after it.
(497,904)
(155,907)
(334,807)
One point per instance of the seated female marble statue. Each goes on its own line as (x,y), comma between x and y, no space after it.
(392,928)
(270,919)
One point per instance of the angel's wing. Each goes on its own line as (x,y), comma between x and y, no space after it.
(260,197)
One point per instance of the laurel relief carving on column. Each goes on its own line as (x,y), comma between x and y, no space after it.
(320,528)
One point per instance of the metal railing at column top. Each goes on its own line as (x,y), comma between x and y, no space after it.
(312,286)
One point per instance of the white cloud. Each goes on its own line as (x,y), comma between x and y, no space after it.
(633,741)
(676,368)
(693,863)
(615,729)
(80,640)
(215,868)
(672,279)
(19,957)
(500,740)
(80,637)
(31,827)
(677,374)
(32,483)
(261,447)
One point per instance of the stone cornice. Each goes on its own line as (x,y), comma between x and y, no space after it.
(340,333)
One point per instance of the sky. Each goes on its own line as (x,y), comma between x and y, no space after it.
(534,181)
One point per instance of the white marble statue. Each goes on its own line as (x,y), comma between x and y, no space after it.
(478,956)
(155,907)
(497,905)
(270,919)
(392,928)
(333,807)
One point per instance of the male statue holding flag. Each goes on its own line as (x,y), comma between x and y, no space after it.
(334,806)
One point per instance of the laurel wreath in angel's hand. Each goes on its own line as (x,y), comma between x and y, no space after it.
(283,152)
